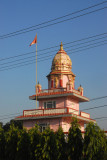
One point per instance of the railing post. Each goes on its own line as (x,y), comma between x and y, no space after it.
(67,110)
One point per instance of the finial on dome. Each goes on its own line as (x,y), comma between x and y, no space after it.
(61,47)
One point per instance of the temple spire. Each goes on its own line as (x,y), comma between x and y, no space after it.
(61,47)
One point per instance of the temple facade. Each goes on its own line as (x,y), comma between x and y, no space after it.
(60,102)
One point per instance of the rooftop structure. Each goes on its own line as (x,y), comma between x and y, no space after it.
(60,102)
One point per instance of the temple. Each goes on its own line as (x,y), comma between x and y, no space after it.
(60,102)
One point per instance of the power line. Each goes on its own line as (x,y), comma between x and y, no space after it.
(87,46)
(90,37)
(8,117)
(67,105)
(42,59)
(97,98)
(94,107)
(53,51)
(16,33)
(33,61)
(10,114)
(100,117)
(74,111)
(97,118)
(18,60)
(54,19)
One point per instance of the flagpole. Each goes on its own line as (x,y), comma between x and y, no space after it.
(33,42)
(36,75)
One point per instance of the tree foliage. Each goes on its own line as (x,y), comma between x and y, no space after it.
(2,143)
(35,139)
(75,141)
(61,144)
(49,145)
(95,143)
(17,124)
(20,144)
(11,138)
(23,146)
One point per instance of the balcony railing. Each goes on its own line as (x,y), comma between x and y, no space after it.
(45,111)
(54,111)
(53,90)
(59,90)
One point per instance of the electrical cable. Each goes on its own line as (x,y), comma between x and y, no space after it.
(52,51)
(4,36)
(94,107)
(47,56)
(100,117)
(54,19)
(33,61)
(67,106)
(53,23)
(90,37)
(97,98)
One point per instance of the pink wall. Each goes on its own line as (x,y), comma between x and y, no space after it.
(49,83)
(28,124)
(65,80)
(65,126)
(54,124)
(71,103)
(82,126)
(67,102)
(41,104)
(59,102)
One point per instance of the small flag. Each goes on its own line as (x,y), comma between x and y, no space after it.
(34,41)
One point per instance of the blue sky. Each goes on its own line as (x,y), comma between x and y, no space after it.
(89,65)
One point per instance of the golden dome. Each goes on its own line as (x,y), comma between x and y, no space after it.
(61,61)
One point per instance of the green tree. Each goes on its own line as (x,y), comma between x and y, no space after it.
(2,143)
(17,124)
(11,137)
(35,137)
(95,143)
(6,127)
(61,144)
(75,141)
(1,124)
(48,145)
(23,146)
